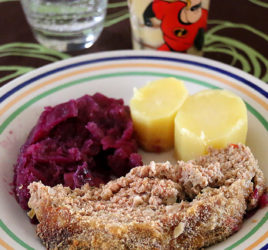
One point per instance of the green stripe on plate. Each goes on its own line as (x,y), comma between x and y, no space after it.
(119,74)
(83,80)
(257,115)
(87,79)
(254,230)
(14,237)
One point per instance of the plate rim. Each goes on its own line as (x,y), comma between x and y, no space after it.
(80,58)
(139,53)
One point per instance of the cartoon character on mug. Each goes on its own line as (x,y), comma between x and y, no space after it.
(182,23)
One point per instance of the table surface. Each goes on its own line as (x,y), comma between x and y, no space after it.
(237,35)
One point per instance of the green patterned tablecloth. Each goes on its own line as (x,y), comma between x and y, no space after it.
(237,35)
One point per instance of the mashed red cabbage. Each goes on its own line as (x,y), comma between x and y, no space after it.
(88,140)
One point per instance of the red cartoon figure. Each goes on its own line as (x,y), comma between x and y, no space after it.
(182,22)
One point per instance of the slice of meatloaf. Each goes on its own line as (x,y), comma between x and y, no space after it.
(189,205)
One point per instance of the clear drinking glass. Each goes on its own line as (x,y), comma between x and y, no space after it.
(65,25)
(169,25)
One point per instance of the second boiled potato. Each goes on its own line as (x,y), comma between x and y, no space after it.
(210,118)
(153,109)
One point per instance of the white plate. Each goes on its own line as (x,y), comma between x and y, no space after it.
(115,74)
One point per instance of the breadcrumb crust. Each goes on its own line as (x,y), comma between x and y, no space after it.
(189,205)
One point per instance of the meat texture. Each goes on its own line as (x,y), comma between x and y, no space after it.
(189,205)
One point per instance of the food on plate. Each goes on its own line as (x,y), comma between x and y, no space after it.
(88,140)
(210,118)
(189,205)
(153,108)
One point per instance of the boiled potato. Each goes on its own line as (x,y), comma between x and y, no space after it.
(153,109)
(210,118)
